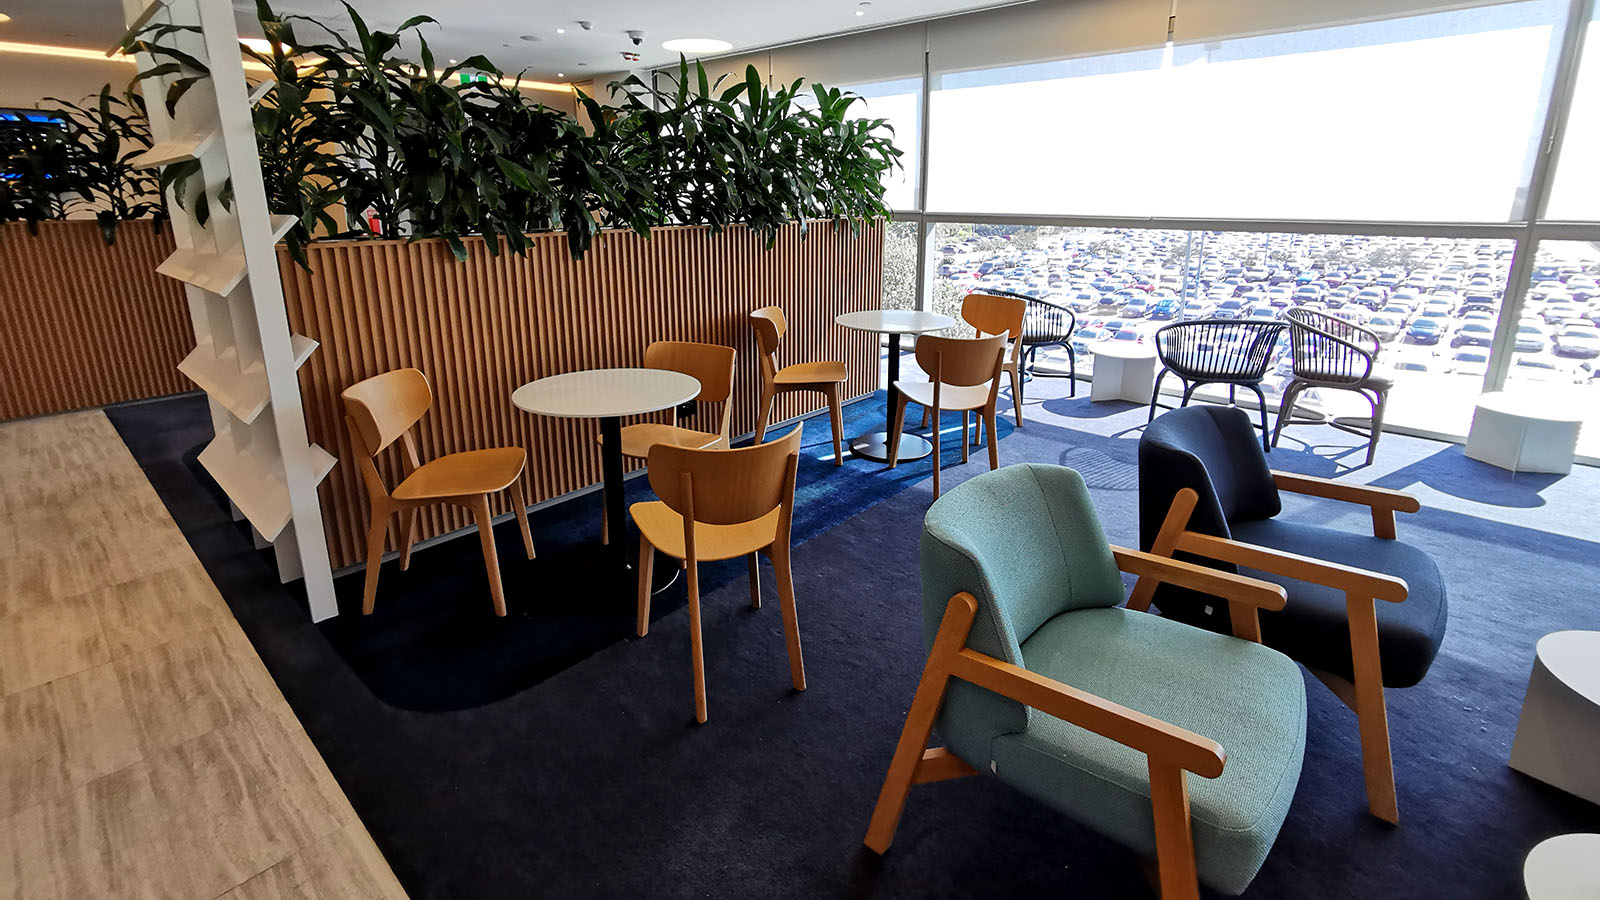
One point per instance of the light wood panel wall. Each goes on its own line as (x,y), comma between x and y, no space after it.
(481,328)
(83,324)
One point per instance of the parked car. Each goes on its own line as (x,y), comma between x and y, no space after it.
(1470,361)
(1578,341)
(1531,337)
(1386,325)
(1229,309)
(1426,330)
(1473,334)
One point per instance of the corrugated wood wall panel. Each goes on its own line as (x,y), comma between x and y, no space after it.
(83,324)
(483,327)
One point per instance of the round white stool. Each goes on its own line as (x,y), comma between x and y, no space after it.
(1566,867)
(1560,724)
(1524,433)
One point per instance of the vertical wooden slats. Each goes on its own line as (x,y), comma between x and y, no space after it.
(482,327)
(83,324)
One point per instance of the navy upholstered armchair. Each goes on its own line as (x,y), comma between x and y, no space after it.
(1365,612)
(1037,676)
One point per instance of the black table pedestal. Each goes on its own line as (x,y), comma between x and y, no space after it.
(875,445)
(665,570)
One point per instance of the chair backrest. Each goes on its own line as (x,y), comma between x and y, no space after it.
(1330,350)
(962,362)
(726,487)
(1215,451)
(1026,542)
(1048,323)
(384,407)
(710,364)
(770,325)
(1218,349)
(996,314)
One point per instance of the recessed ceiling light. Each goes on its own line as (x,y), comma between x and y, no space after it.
(696,45)
(561,74)
(861,12)
(4,17)
(561,31)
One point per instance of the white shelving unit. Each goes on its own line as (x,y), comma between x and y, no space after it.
(245,357)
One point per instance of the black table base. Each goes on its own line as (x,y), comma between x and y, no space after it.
(665,570)
(875,445)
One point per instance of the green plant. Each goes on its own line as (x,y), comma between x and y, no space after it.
(103,137)
(35,167)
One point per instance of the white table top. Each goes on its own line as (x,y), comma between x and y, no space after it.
(1565,867)
(1573,657)
(1530,405)
(600,393)
(1124,349)
(895,321)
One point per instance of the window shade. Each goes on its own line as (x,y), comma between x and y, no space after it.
(1045,30)
(1209,20)
(886,54)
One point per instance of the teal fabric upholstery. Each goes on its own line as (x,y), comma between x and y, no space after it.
(1026,542)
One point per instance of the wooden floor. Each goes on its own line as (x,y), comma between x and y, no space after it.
(144,750)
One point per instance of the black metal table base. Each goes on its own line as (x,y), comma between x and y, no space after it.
(875,446)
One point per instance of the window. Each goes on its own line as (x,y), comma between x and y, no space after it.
(1555,351)
(1575,193)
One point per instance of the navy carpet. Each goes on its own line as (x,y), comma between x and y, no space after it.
(595,782)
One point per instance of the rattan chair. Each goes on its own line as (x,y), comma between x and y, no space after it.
(1046,324)
(1217,351)
(1330,352)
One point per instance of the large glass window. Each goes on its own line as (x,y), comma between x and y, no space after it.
(1555,351)
(899,103)
(1575,193)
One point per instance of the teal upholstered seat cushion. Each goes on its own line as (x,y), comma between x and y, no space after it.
(1248,698)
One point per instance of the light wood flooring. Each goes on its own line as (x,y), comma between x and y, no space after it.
(144,750)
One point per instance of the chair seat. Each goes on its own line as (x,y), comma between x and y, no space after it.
(1248,698)
(1381,378)
(951,397)
(664,529)
(824,372)
(1313,626)
(639,438)
(463,474)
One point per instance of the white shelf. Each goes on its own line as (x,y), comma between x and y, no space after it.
(322,462)
(281,225)
(260,90)
(189,146)
(243,394)
(207,271)
(258,491)
(303,348)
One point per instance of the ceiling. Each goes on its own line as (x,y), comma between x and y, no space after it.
(496,28)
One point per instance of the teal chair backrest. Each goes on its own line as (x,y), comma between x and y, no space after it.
(1026,542)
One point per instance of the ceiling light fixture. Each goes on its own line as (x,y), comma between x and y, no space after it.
(561,74)
(561,31)
(696,45)
(4,18)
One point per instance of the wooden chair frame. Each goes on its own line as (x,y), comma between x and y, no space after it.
(1172,751)
(1362,589)
(993,314)
(986,415)
(770,326)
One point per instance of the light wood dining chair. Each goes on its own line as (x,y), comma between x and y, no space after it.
(384,408)
(722,504)
(964,375)
(992,314)
(824,377)
(710,364)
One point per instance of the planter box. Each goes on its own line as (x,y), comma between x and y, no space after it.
(83,324)
(483,327)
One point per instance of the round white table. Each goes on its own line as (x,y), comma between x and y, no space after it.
(1560,722)
(608,395)
(894,323)
(1565,867)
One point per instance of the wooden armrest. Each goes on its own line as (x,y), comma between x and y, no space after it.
(1366,495)
(1227,585)
(1157,739)
(1292,565)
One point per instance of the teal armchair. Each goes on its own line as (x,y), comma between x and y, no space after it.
(1182,744)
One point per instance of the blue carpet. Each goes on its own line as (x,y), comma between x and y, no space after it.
(596,782)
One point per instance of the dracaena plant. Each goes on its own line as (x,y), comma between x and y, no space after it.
(103,137)
(35,169)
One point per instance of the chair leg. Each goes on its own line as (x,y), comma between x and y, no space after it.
(407,516)
(1377,424)
(522,518)
(1377,761)
(647,565)
(755,580)
(899,428)
(1285,409)
(937,416)
(908,752)
(1261,398)
(1016,395)
(377,530)
(1188,391)
(926,414)
(605,517)
(1175,863)
(791,618)
(994,446)
(491,562)
(965,443)
(1155,395)
(767,395)
(1072,370)
(695,648)
(837,413)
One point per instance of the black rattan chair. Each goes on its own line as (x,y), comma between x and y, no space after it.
(1048,324)
(1217,351)
(1332,353)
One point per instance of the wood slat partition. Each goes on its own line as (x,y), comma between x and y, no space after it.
(483,327)
(83,324)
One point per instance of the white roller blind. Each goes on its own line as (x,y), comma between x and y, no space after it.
(1209,20)
(1045,30)
(886,54)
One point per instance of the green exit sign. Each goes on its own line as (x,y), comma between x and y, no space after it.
(470,77)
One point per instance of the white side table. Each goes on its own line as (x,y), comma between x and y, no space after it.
(1524,433)
(1565,867)
(1123,370)
(1560,724)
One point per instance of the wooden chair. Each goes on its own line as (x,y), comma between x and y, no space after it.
(1179,744)
(964,375)
(1000,315)
(710,364)
(384,408)
(824,377)
(722,504)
